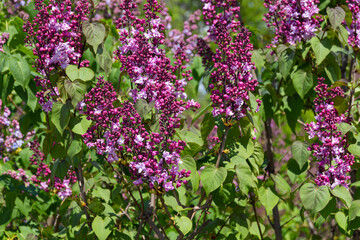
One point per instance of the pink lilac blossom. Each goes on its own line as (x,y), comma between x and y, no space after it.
(119,135)
(56,37)
(354,30)
(293,20)
(3,38)
(231,79)
(331,150)
(42,177)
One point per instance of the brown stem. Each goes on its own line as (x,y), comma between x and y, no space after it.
(256,216)
(271,170)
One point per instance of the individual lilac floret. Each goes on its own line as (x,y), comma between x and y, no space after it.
(231,79)
(354,31)
(294,20)
(331,150)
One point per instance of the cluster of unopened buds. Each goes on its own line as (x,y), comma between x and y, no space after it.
(231,79)
(354,30)
(56,37)
(294,21)
(331,149)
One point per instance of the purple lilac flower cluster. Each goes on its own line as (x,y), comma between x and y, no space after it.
(185,40)
(111,9)
(11,138)
(119,135)
(3,38)
(42,177)
(331,150)
(14,7)
(231,79)
(56,36)
(354,31)
(294,20)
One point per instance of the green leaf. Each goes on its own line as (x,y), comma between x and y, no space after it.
(74,73)
(101,227)
(244,174)
(281,184)
(104,59)
(212,177)
(300,153)
(354,149)
(336,16)
(184,223)
(286,61)
(314,198)
(144,108)
(354,210)
(320,48)
(302,81)
(341,220)
(340,104)
(94,32)
(268,198)
(82,126)
(342,193)
(20,70)
(75,90)
(61,115)
(24,206)
(74,148)
(224,195)
(207,125)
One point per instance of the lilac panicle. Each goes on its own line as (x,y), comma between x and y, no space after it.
(231,79)
(331,149)
(294,21)
(56,37)
(354,30)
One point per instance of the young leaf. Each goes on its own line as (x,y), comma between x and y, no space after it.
(101,227)
(300,153)
(184,223)
(314,198)
(268,199)
(302,81)
(212,177)
(61,115)
(336,16)
(20,70)
(320,48)
(94,32)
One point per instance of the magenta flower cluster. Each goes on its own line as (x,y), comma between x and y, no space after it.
(293,20)
(231,79)
(354,31)
(334,159)
(119,135)
(11,138)
(42,177)
(3,38)
(56,37)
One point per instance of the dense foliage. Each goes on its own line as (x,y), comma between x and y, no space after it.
(212,119)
